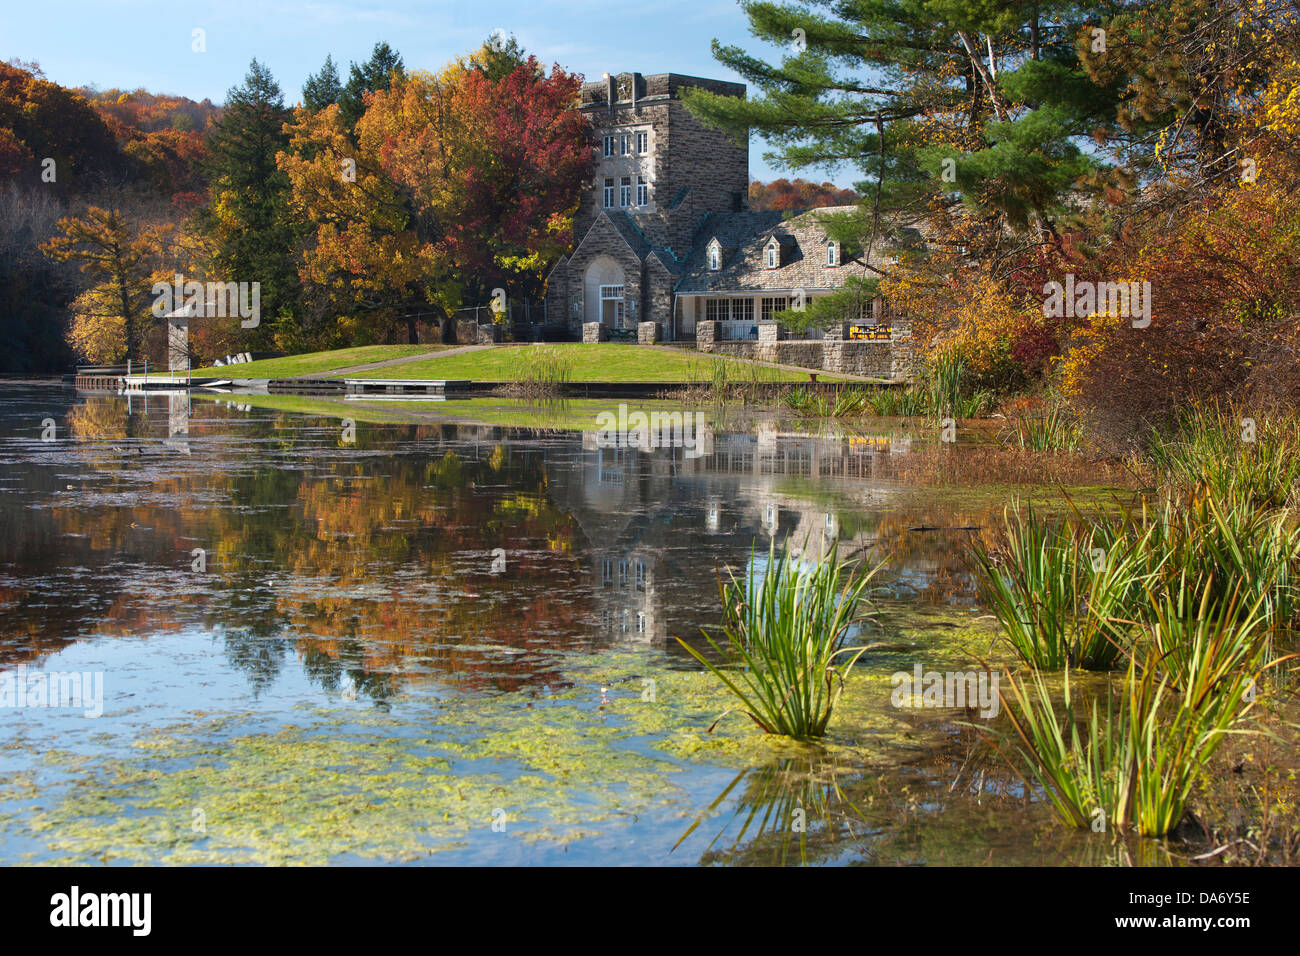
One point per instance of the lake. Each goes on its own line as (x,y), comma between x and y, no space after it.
(314,630)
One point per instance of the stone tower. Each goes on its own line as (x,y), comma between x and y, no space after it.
(660,173)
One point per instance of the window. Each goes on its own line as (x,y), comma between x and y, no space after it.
(742,310)
(640,575)
(609,193)
(771,255)
(715,310)
(625,191)
(715,257)
(770,306)
(642,191)
(832,252)
(609,145)
(625,144)
(607,572)
(624,89)
(642,143)
(622,575)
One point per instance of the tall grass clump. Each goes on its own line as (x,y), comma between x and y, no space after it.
(1051,431)
(539,369)
(841,403)
(944,381)
(1058,593)
(1202,598)
(1229,454)
(784,634)
(1131,765)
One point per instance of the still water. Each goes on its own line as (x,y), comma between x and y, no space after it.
(309,631)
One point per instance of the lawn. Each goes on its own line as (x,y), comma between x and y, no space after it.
(606,362)
(316,363)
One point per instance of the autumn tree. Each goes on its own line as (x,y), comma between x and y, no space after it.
(111,317)
(41,121)
(455,184)
(783,194)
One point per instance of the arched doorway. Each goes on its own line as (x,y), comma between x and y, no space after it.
(604,294)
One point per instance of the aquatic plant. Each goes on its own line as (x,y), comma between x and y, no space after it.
(841,403)
(1060,598)
(1202,643)
(784,631)
(944,380)
(1131,766)
(1051,431)
(1236,458)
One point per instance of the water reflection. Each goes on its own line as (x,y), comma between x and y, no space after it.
(420,565)
(376,554)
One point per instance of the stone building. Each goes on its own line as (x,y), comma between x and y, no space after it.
(665,235)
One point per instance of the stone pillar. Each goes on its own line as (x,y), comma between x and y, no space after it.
(593,332)
(706,333)
(838,331)
(648,333)
(489,334)
(178,344)
(902,360)
(769,333)
(467,331)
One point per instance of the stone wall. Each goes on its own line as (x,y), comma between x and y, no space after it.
(883,360)
(647,333)
(593,332)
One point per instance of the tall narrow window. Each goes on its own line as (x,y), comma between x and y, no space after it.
(642,143)
(625,144)
(715,258)
(609,193)
(771,255)
(832,252)
(625,191)
(642,191)
(609,145)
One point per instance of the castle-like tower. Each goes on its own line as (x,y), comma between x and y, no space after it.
(660,174)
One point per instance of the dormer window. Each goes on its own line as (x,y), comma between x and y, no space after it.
(772,255)
(715,256)
(832,253)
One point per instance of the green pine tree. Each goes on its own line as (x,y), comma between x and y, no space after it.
(322,89)
(247,217)
(940,104)
(376,73)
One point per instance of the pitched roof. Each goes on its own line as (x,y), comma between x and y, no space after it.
(744,237)
(622,223)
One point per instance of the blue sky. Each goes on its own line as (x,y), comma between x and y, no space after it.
(147,43)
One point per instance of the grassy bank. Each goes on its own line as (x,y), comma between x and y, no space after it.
(317,363)
(605,362)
